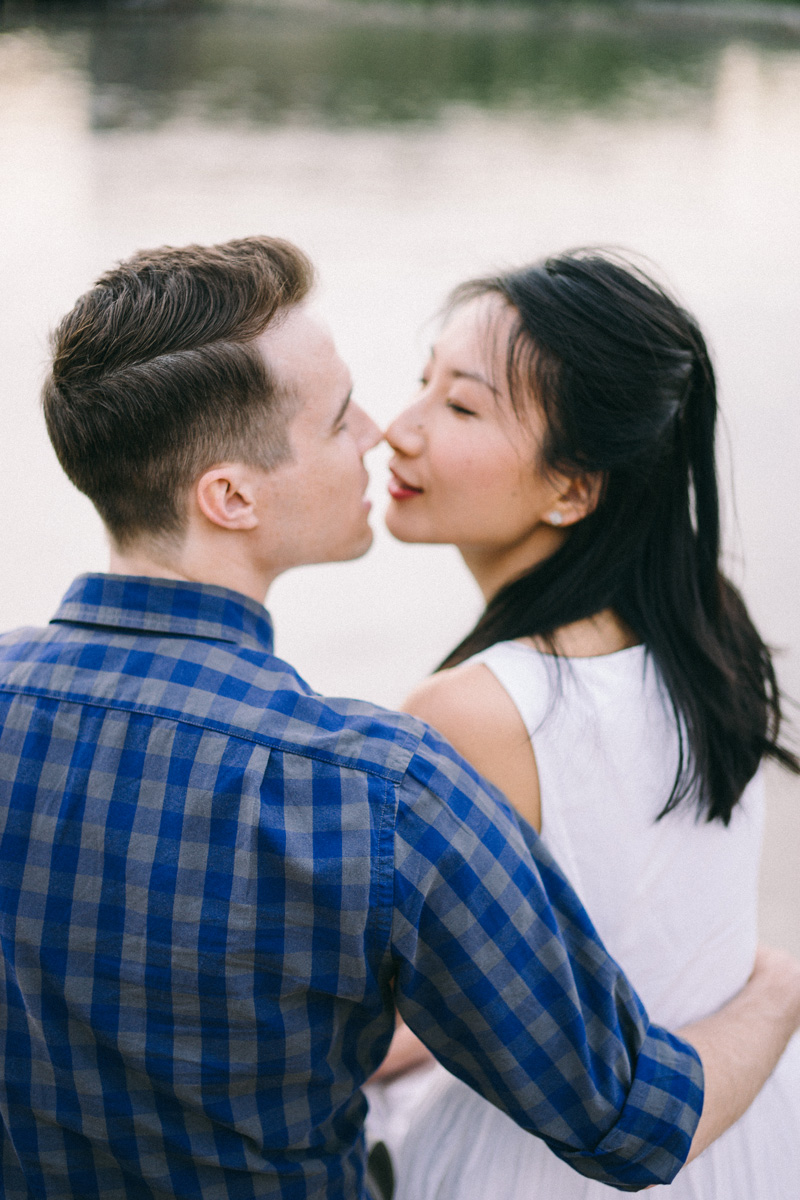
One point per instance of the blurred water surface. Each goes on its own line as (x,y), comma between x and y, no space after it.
(407,147)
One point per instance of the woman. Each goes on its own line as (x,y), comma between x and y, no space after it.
(614,688)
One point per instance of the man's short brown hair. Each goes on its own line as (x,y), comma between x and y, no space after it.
(154,377)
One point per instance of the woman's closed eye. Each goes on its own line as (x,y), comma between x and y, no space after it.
(461,409)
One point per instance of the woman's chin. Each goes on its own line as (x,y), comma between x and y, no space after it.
(401,528)
(403,535)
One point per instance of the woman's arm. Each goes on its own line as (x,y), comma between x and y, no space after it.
(740,1045)
(406,1053)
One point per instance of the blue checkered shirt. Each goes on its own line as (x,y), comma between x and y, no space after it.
(215,885)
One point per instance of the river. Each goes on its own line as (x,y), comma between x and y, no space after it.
(407,147)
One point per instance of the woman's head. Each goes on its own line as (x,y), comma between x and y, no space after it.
(621,375)
(603,385)
(598,400)
(467,467)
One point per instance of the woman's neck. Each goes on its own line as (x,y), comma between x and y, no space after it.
(492,569)
(602,633)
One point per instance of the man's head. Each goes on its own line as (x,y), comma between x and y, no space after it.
(182,363)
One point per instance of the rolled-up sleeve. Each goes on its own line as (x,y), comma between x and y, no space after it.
(499,970)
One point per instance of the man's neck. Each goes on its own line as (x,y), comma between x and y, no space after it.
(221,570)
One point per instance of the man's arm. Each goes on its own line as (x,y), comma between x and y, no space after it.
(498,970)
(740,1045)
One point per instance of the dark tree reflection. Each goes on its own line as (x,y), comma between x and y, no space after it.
(355,63)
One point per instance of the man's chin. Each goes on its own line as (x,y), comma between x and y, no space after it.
(355,548)
(362,547)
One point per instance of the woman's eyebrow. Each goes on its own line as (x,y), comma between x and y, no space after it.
(468,375)
(477,378)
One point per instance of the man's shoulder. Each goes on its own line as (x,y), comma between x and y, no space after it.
(278,703)
(235,691)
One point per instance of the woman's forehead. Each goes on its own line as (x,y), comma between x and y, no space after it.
(477,334)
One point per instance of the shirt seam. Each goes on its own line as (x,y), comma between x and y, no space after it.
(385,870)
(302,750)
(122,627)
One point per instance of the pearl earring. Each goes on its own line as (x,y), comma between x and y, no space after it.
(555,517)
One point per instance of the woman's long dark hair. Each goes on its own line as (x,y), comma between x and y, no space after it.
(624,379)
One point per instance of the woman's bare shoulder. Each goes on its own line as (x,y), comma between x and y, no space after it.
(468,696)
(470,707)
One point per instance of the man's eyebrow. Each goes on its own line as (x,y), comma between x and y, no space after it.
(342,410)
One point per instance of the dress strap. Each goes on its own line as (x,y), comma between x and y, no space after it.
(531,679)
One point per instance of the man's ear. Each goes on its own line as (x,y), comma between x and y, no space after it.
(226,496)
(578,496)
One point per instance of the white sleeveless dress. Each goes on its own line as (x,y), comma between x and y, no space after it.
(675,903)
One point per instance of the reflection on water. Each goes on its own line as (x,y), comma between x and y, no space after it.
(406,149)
(346,63)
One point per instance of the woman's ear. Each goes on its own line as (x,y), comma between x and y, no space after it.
(226,496)
(578,497)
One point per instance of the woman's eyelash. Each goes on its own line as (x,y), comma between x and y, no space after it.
(459,408)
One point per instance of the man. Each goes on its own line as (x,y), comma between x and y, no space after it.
(216,885)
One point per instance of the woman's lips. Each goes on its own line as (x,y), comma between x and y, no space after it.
(400,490)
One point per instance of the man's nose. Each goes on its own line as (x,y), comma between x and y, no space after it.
(369,433)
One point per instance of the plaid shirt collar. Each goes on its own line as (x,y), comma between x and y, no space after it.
(165,606)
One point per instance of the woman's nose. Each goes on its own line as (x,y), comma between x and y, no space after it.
(406,433)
